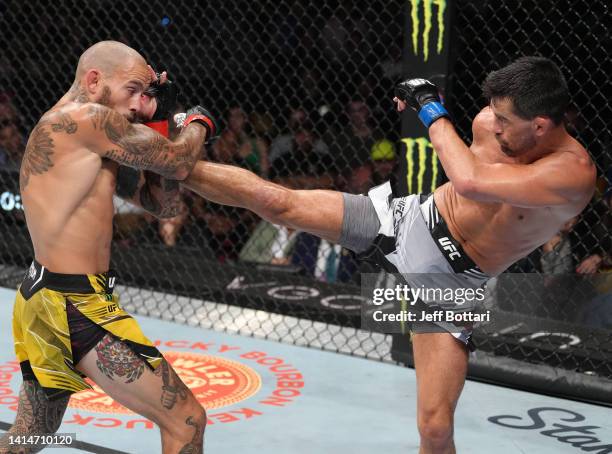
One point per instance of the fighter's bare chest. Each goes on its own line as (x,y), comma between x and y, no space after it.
(523,224)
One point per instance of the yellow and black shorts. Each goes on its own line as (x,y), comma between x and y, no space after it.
(58,318)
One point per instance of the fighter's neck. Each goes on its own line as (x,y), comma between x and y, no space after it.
(74,94)
(556,139)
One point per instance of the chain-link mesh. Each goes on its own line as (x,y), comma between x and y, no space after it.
(303,91)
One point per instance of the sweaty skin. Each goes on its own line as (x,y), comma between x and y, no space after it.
(495,234)
(69,170)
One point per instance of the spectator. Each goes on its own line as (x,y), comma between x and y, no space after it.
(12,143)
(301,166)
(269,243)
(384,161)
(557,257)
(262,125)
(285,143)
(356,180)
(596,225)
(223,230)
(235,146)
(353,144)
(323,260)
(597,313)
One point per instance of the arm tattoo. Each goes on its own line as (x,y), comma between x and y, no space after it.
(37,157)
(116,359)
(64,123)
(144,149)
(127,182)
(160,196)
(36,415)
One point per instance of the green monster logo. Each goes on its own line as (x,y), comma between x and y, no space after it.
(423,148)
(427,24)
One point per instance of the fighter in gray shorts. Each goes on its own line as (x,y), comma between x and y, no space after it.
(407,235)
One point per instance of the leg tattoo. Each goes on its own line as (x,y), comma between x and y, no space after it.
(116,359)
(195,446)
(173,387)
(36,415)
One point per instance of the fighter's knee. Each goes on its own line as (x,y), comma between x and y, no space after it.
(435,426)
(187,422)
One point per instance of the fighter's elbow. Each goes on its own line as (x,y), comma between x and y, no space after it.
(179,173)
(466,186)
(181,169)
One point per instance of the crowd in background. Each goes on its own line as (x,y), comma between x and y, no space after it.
(312,109)
(350,155)
(311,151)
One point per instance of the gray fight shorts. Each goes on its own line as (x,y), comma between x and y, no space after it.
(407,235)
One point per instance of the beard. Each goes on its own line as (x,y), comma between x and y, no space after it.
(518,149)
(132,117)
(105,100)
(105,97)
(507,150)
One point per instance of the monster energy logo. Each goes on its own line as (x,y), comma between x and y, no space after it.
(422,148)
(427,24)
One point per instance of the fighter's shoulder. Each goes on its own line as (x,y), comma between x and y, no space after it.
(484,120)
(572,152)
(573,163)
(483,125)
(72,117)
(98,122)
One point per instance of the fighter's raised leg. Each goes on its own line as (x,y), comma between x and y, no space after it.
(319,212)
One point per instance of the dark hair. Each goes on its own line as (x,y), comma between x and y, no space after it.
(535,85)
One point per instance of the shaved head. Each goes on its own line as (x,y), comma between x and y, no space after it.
(107,57)
(114,75)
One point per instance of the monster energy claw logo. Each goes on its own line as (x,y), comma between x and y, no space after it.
(423,147)
(427,24)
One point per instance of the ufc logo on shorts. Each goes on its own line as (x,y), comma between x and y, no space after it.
(111,282)
(447,245)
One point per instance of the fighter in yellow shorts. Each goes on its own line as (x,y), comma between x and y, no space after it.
(67,323)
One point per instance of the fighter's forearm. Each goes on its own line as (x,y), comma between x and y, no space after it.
(161,197)
(307,182)
(230,185)
(186,150)
(457,159)
(114,137)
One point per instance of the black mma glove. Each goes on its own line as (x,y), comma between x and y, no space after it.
(423,97)
(202,116)
(165,94)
